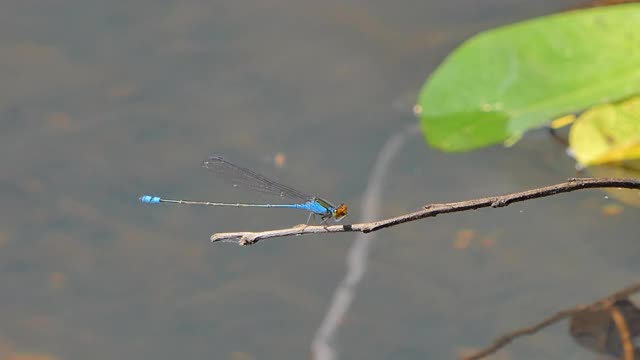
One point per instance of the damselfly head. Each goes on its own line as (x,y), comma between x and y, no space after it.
(340,212)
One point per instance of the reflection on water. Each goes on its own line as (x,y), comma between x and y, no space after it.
(597,331)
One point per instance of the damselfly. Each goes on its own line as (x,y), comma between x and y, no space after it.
(250,179)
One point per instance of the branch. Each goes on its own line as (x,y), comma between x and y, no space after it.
(623,330)
(573,184)
(605,303)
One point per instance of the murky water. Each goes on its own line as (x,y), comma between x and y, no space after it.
(101,102)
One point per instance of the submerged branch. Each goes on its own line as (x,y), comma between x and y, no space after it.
(606,303)
(248,238)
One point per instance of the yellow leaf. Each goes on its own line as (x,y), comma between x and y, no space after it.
(562,121)
(607,134)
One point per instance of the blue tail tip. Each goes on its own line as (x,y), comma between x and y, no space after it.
(148,199)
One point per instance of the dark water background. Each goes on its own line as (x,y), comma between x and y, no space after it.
(102,101)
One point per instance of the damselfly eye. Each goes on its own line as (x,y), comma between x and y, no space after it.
(340,212)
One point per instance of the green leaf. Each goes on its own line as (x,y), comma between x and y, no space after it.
(503,82)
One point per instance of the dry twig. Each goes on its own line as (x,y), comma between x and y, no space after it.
(248,238)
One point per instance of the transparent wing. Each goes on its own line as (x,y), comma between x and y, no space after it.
(246,178)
